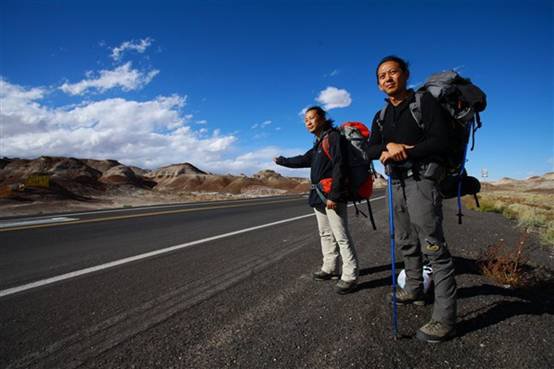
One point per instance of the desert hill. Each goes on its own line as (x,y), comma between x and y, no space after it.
(69,182)
(544,183)
(61,183)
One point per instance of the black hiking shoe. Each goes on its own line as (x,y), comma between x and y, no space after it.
(344,287)
(320,275)
(435,332)
(404,297)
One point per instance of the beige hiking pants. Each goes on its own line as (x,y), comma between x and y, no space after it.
(335,240)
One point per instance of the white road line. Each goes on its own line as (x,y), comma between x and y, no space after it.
(62,277)
(166,206)
(35,222)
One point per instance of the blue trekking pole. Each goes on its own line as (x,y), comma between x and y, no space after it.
(388,171)
(470,128)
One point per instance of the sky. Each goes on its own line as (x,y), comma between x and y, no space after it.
(222,84)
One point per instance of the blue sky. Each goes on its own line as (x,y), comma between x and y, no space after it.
(221,84)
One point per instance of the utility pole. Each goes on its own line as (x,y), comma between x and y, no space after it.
(484,173)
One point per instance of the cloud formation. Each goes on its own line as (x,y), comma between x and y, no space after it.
(124,77)
(333,97)
(331,74)
(261,125)
(148,134)
(262,158)
(138,46)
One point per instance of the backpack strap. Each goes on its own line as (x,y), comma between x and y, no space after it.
(358,211)
(325,145)
(319,193)
(476,126)
(381,118)
(469,128)
(372,170)
(371,214)
(415,109)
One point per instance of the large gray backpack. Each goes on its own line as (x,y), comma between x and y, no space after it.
(463,101)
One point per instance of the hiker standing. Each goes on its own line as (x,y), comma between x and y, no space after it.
(328,198)
(415,158)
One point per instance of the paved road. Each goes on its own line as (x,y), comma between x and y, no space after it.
(245,300)
(51,245)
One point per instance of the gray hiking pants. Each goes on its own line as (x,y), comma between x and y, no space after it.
(335,238)
(418,222)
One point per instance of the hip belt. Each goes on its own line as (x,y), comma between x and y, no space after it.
(432,171)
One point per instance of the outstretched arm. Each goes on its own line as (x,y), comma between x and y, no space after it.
(300,161)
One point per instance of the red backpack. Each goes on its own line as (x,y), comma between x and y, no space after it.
(360,168)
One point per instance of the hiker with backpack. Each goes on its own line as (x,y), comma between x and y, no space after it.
(415,159)
(328,197)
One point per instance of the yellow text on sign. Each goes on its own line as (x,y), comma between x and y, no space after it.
(38,181)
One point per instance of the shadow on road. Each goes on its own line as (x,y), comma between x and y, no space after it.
(380,268)
(534,299)
(381,282)
(465,266)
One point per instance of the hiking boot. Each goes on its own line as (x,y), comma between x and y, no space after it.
(435,332)
(320,275)
(344,287)
(404,297)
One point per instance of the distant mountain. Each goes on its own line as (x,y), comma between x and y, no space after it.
(62,183)
(534,183)
(54,178)
(175,170)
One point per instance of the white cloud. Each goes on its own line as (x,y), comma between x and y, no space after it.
(333,97)
(124,76)
(254,161)
(261,125)
(147,134)
(203,121)
(138,46)
(332,74)
(458,68)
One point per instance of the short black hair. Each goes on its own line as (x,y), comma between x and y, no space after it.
(321,113)
(403,64)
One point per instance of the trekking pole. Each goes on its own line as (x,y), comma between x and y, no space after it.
(469,128)
(388,171)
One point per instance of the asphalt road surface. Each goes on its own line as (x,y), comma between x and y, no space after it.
(228,285)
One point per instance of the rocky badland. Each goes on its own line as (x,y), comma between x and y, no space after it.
(55,184)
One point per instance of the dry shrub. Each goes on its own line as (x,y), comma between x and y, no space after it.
(506,265)
(548,236)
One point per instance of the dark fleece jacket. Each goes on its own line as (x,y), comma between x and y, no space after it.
(322,167)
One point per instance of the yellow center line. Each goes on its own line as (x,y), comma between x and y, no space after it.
(119,217)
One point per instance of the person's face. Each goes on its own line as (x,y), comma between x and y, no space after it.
(392,80)
(313,121)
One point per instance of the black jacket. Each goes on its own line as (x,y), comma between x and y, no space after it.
(399,126)
(323,167)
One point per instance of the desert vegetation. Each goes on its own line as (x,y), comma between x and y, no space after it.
(529,202)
